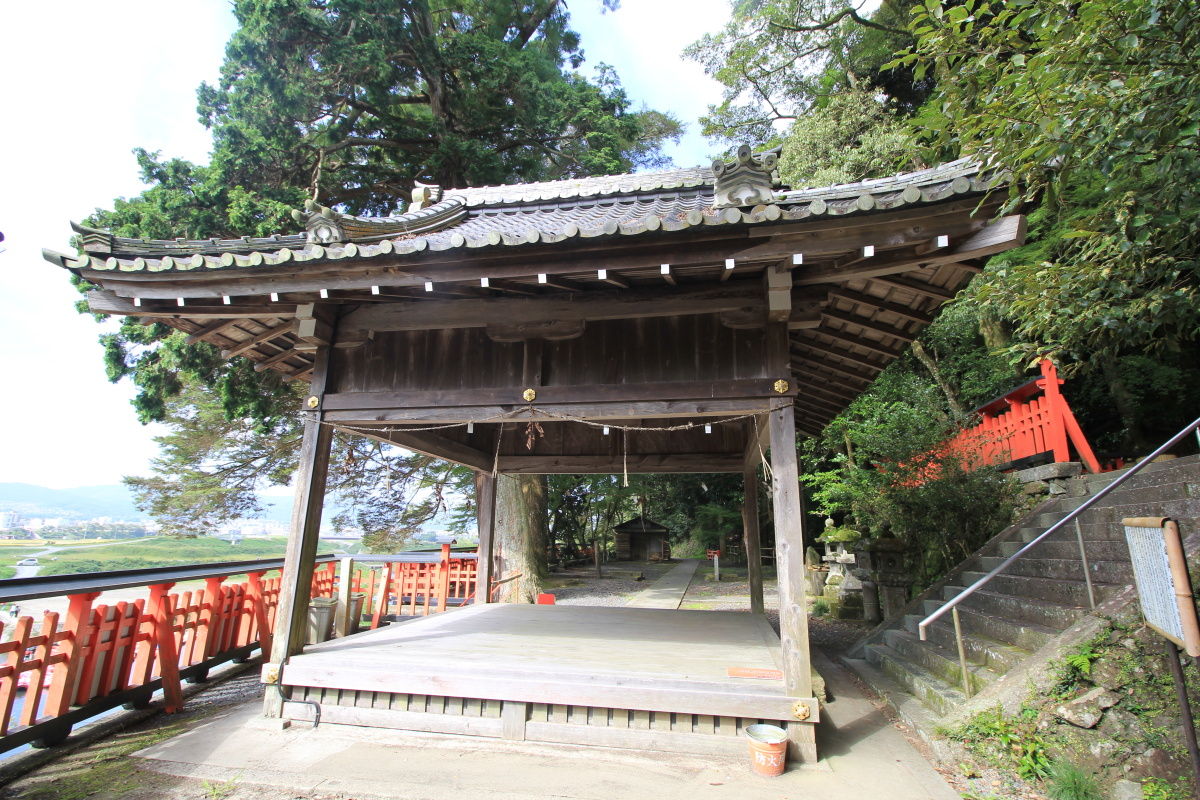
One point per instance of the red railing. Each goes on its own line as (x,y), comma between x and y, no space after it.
(1032,420)
(69,667)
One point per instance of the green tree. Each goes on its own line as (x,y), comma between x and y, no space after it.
(350,102)
(851,136)
(1092,106)
(778,59)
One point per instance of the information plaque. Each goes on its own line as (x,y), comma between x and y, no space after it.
(1163,586)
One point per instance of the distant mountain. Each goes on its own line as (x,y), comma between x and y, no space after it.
(84,502)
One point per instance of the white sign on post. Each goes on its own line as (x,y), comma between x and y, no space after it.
(1160,572)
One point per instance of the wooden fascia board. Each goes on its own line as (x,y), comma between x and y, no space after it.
(610,464)
(557,395)
(556,412)
(595,306)
(1004,234)
(101,301)
(680,249)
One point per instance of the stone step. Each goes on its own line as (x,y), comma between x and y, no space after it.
(939,660)
(1150,475)
(1114,572)
(997,657)
(1028,636)
(1057,616)
(922,684)
(1054,547)
(1073,592)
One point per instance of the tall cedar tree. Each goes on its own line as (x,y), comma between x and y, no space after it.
(350,102)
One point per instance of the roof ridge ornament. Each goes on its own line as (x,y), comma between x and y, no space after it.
(424,195)
(321,223)
(746,181)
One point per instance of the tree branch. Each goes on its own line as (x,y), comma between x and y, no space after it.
(836,18)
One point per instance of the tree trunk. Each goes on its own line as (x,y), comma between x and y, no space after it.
(995,331)
(930,364)
(521,535)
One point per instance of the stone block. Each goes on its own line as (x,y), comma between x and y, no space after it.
(1049,472)
(1126,790)
(1087,710)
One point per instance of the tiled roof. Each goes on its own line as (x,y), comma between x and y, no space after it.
(547,212)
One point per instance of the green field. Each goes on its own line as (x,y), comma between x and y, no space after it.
(146,553)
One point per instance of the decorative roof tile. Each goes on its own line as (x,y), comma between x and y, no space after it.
(525,214)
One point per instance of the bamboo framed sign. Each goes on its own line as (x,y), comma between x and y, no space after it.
(1163,585)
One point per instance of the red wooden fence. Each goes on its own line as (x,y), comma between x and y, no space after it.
(1031,420)
(97,657)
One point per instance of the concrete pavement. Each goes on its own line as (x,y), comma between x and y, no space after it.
(862,755)
(667,591)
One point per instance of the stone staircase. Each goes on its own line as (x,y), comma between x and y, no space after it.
(1018,615)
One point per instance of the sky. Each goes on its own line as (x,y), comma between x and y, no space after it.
(82,84)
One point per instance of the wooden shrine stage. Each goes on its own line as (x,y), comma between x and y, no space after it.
(616,677)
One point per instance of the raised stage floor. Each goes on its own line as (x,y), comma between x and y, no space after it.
(621,677)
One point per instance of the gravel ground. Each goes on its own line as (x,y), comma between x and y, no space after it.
(579,586)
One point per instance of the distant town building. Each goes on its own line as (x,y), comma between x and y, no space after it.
(9,520)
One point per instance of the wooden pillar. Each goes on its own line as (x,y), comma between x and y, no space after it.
(291,619)
(485,504)
(789,552)
(750,535)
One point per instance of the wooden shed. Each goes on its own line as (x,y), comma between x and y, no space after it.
(641,539)
(684,321)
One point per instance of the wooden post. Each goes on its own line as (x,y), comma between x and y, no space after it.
(485,504)
(750,534)
(342,624)
(66,677)
(206,637)
(291,620)
(443,579)
(162,612)
(256,595)
(789,551)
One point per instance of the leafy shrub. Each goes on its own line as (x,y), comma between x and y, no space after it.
(820,607)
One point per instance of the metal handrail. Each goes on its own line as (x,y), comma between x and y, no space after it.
(952,604)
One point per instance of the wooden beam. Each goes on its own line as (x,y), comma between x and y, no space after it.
(266,336)
(615,464)
(820,405)
(485,515)
(830,393)
(832,367)
(857,341)
(870,325)
(1003,234)
(512,287)
(282,355)
(566,284)
(514,395)
(105,302)
(917,287)
(291,621)
(211,329)
(615,279)
(853,358)
(789,555)
(858,298)
(620,409)
(431,444)
(778,280)
(480,313)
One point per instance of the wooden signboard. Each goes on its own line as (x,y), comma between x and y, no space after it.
(1163,586)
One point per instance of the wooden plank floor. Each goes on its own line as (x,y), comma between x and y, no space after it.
(647,658)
